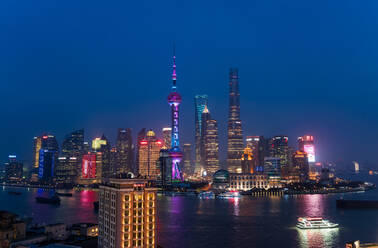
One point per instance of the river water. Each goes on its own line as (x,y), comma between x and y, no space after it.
(186,221)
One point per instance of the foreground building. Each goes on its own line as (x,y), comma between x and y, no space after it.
(127,214)
(234,134)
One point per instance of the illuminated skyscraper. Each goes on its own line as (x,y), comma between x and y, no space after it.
(211,147)
(88,170)
(47,163)
(149,149)
(174,100)
(13,168)
(124,151)
(66,170)
(279,149)
(306,144)
(187,159)
(200,102)
(204,118)
(72,151)
(258,146)
(73,144)
(165,168)
(140,137)
(235,133)
(43,142)
(101,148)
(300,166)
(167,140)
(36,148)
(247,161)
(127,214)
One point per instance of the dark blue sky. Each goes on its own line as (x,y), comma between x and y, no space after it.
(305,67)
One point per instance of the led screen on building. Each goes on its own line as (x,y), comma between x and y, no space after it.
(310,150)
(89,166)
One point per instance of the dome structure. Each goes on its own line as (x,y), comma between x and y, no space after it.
(221,176)
(174,97)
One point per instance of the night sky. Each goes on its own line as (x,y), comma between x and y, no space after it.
(305,67)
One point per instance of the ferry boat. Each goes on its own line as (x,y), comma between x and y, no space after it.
(315,223)
(206,195)
(229,194)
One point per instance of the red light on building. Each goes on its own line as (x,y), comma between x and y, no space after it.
(88,169)
(159,142)
(144,142)
(44,137)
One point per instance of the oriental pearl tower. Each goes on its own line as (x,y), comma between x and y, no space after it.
(174,100)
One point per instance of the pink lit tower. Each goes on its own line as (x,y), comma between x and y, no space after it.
(174,100)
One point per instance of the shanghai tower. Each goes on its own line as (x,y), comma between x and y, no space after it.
(234,132)
(174,100)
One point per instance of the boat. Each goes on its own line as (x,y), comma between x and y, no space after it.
(315,223)
(64,194)
(54,200)
(14,192)
(206,195)
(356,204)
(229,194)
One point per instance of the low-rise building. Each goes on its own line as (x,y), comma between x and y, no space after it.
(11,228)
(246,181)
(85,229)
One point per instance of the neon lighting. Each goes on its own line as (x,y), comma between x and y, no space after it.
(89,166)
(310,150)
(144,142)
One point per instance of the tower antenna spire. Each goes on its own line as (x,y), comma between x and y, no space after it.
(174,76)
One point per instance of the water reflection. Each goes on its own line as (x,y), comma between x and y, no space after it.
(235,204)
(326,238)
(313,205)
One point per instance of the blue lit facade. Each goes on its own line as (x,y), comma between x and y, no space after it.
(47,163)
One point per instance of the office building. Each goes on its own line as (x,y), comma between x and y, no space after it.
(141,135)
(279,149)
(300,166)
(234,133)
(47,163)
(36,148)
(13,168)
(148,154)
(200,102)
(165,167)
(272,168)
(211,147)
(88,170)
(101,148)
(247,161)
(259,148)
(167,139)
(42,142)
(127,214)
(66,171)
(306,144)
(187,159)
(124,152)
(174,100)
(72,151)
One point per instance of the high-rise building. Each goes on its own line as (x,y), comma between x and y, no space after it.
(101,147)
(272,168)
(211,147)
(174,100)
(187,159)
(235,144)
(258,146)
(89,166)
(247,161)
(204,118)
(43,142)
(47,164)
(148,154)
(127,214)
(200,102)
(167,141)
(66,170)
(165,168)
(140,137)
(279,149)
(36,148)
(13,168)
(300,166)
(306,144)
(124,151)
(72,150)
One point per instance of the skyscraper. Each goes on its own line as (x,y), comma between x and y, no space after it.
(101,148)
(174,100)
(235,133)
(72,151)
(88,170)
(165,168)
(247,161)
(148,154)
(167,140)
(36,148)
(73,144)
(42,142)
(66,170)
(306,144)
(258,146)
(200,102)
(47,163)
(127,214)
(187,159)
(204,118)
(140,137)
(124,151)
(279,149)
(300,166)
(211,147)
(13,168)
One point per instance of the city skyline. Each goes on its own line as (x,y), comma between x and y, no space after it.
(301,76)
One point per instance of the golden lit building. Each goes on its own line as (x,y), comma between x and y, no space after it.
(148,153)
(247,161)
(127,212)
(37,147)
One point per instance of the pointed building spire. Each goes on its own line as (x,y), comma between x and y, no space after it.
(205,110)
(174,68)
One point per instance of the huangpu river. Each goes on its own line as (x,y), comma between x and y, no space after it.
(186,221)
